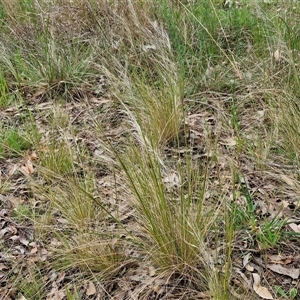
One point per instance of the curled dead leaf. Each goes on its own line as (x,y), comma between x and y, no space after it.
(246,263)
(250,268)
(260,290)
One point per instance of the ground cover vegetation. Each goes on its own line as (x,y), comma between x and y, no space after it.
(149,149)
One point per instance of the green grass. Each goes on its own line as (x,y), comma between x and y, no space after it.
(162,135)
(13,142)
(31,286)
(5,97)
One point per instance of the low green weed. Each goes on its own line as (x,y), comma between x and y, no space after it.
(13,142)
(23,212)
(5,97)
(31,286)
(267,232)
(293,292)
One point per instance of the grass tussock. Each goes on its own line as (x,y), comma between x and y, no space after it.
(172,211)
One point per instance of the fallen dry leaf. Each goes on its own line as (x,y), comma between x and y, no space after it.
(285,203)
(277,55)
(279,259)
(12,170)
(260,290)
(58,295)
(91,289)
(247,285)
(295,227)
(246,263)
(23,239)
(61,277)
(230,141)
(27,169)
(33,250)
(291,272)
(151,271)
(172,179)
(32,156)
(14,238)
(250,268)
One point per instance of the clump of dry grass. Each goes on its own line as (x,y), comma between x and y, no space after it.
(145,80)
